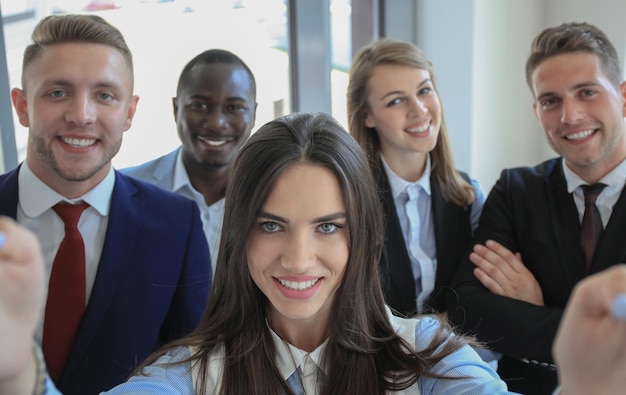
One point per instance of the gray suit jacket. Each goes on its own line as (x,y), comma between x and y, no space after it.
(159,172)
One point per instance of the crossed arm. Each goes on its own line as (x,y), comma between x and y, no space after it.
(503,273)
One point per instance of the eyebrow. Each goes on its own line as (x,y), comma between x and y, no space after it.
(319,220)
(209,98)
(426,80)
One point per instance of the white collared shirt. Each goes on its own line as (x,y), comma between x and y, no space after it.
(418,228)
(413,207)
(168,375)
(614,181)
(34,211)
(212,216)
(299,368)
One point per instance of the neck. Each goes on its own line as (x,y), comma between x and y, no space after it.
(211,183)
(409,167)
(69,189)
(305,335)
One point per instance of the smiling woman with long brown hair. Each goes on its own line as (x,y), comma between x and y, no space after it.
(296,306)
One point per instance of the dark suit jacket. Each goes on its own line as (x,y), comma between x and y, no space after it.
(151,286)
(530,211)
(453,232)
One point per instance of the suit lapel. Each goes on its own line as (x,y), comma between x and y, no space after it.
(452,233)
(122,230)
(397,275)
(565,225)
(612,249)
(164,171)
(9,194)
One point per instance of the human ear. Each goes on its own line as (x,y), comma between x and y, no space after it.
(369,121)
(132,108)
(18,97)
(622,89)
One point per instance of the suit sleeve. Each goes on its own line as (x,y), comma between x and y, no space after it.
(192,292)
(515,328)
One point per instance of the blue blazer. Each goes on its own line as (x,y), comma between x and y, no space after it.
(151,286)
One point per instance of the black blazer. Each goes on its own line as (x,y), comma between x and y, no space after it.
(530,211)
(453,233)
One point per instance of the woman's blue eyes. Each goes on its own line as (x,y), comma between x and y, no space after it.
(398,100)
(328,227)
(269,227)
(272,227)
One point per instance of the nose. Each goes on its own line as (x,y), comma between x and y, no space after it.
(299,253)
(82,110)
(417,107)
(215,119)
(571,112)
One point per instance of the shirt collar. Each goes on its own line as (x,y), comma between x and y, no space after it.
(284,360)
(36,197)
(615,178)
(181,178)
(399,185)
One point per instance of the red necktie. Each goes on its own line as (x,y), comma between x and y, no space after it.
(66,292)
(591,228)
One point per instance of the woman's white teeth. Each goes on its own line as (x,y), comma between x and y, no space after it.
(421,129)
(580,135)
(78,143)
(298,285)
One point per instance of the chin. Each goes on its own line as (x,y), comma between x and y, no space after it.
(297,313)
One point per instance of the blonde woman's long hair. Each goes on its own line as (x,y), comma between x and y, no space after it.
(394,52)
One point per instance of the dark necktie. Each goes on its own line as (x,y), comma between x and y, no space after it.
(591,228)
(66,292)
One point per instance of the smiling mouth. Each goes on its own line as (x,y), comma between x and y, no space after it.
(78,143)
(214,142)
(420,129)
(580,135)
(298,285)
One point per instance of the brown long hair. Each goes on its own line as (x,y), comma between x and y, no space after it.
(364,354)
(395,52)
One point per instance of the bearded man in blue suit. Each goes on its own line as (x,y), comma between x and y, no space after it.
(147,267)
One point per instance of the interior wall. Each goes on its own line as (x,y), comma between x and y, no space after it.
(608,15)
(505,131)
(479,50)
(447,39)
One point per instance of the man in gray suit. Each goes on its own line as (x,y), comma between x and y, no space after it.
(214,110)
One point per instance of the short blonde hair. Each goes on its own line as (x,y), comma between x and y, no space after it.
(78,28)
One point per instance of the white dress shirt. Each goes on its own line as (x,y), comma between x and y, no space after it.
(212,216)
(414,209)
(168,376)
(614,181)
(34,211)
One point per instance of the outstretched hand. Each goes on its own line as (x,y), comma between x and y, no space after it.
(590,343)
(22,292)
(503,273)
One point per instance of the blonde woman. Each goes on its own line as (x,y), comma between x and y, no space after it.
(431,209)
